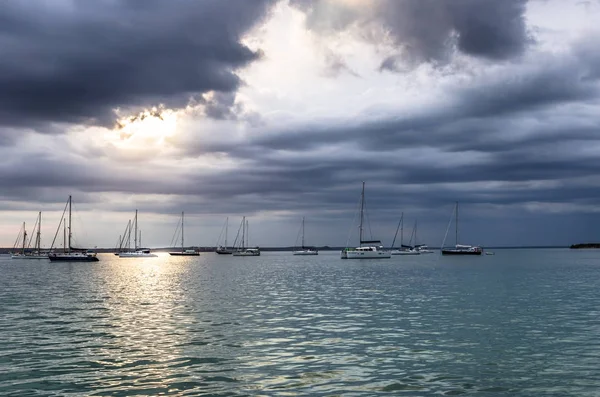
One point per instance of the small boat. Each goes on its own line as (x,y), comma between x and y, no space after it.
(184,252)
(242,250)
(140,253)
(404,249)
(423,249)
(137,252)
(70,254)
(247,252)
(222,249)
(459,249)
(489,253)
(304,250)
(373,248)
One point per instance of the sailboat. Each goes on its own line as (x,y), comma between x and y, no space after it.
(404,249)
(369,251)
(37,253)
(69,254)
(222,249)
(137,251)
(243,250)
(459,249)
(305,250)
(422,248)
(184,252)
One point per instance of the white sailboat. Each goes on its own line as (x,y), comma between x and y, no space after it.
(69,254)
(459,249)
(243,249)
(305,250)
(374,249)
(404,249)
(137,251)
(223,249)
(184,252)
(422,248)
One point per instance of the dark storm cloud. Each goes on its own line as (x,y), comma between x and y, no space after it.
(75,61)
(428,30)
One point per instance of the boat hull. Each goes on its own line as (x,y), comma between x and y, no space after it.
(395,252)
(224,252)
(246,253)
(134,255)
(306,252)
(459,252)
(73,258)
(184,253)
(368,255)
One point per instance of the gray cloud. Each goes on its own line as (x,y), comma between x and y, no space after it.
(77,61)
(428,30)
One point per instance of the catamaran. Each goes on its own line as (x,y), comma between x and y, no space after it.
(459,249)
(137,251)
(184,252)
(305,250)
(69,254)
(372,251)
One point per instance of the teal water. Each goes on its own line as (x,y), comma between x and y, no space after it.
(520,323)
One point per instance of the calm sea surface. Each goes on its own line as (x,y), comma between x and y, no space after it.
(520,323)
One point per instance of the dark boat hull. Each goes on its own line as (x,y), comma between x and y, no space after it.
(184,253)
(224,252)
(73,259)
(452,252)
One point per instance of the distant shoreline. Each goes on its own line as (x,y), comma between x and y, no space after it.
(585,246)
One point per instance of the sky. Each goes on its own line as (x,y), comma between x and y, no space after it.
(280,109)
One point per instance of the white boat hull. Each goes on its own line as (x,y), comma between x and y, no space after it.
(398,252)
(247,252)
(29,257)
(136,255)
(306,252)
(368,254)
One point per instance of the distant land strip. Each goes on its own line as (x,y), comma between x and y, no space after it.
(585,245)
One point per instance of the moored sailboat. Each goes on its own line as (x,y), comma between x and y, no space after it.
(70,254)
(404,249)
(459,249)
(223,249)
(305,250)
(137,251)
(373,249)
(244,250)
(184,252)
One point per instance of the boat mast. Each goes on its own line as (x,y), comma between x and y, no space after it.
(181,231)
(397,228)
(24,238)
(69,223)
(64,236)
(135,234)
(247,234)
(39,234)
(401,231)
(302,232)
(226,227)
(243,231)
(362,206)
(456,223)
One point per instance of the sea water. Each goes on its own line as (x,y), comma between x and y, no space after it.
(519,323)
